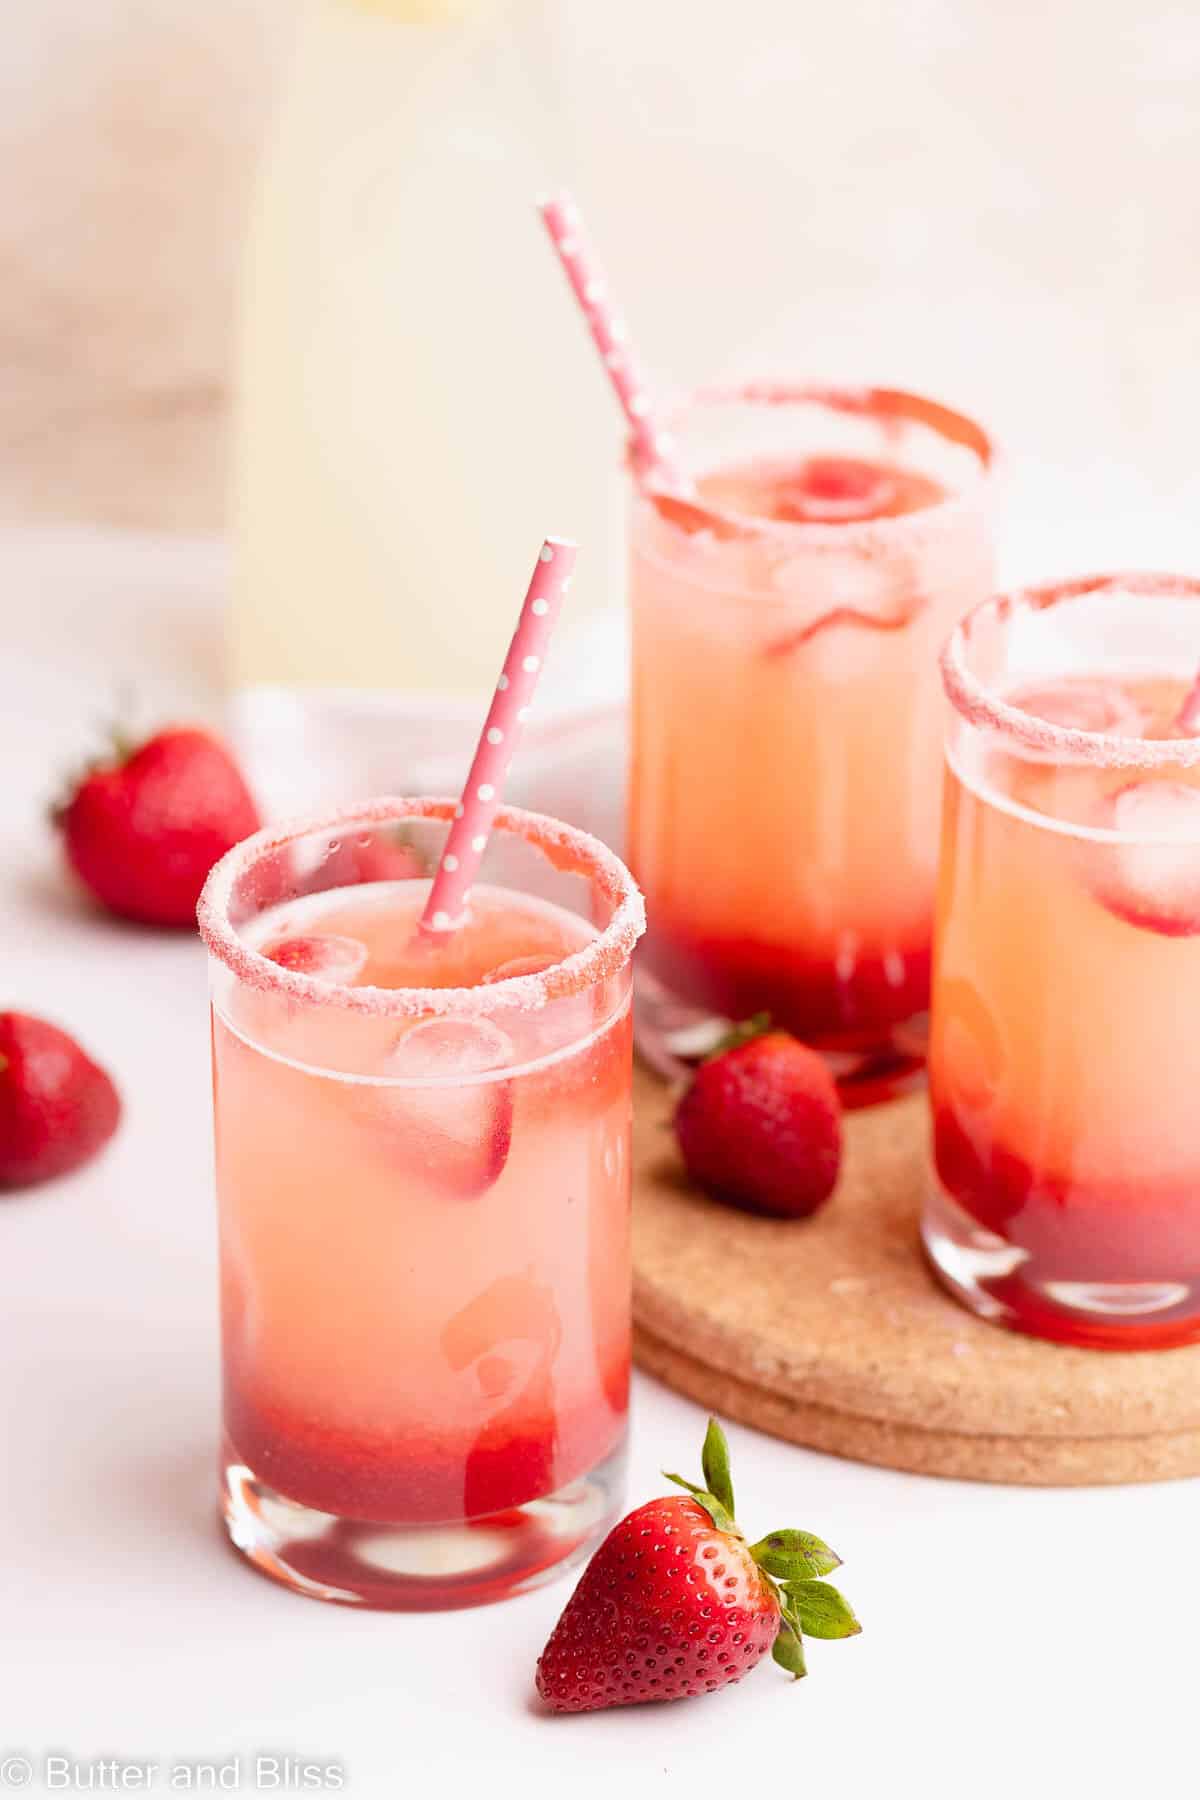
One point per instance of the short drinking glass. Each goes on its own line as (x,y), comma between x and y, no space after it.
(1064,1061)
(423,1175)
(787,718)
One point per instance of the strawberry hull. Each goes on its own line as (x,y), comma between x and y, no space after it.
(677,1603)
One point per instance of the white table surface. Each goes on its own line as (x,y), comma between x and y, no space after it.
(1015,1640)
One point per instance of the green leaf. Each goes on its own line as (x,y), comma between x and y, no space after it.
(794,1555)
(820,1609)
(681,1482)
(724,1521)
(741,1034)
(788,1651)
(714,1460)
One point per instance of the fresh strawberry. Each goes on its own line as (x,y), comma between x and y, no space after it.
(760,1126)
(57,1107)
(143,829)
(675,1602)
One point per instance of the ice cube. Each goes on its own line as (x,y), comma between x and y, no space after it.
(449,1050)
(1153,882)
(457,1131)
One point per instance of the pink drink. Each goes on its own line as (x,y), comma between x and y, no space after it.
(1065,1053)
(786,713)
(424,1179)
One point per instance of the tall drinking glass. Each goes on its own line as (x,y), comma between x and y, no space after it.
(787,714)
(1064,1059)
(423,1176)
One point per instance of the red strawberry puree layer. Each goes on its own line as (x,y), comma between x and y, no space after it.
(807,995)
(415,1478)
(1116,1231)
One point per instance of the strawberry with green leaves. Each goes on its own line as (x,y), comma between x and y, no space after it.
(143,826)
(760,1126)
(675,1602)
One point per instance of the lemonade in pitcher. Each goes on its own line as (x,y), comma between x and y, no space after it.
(411,404)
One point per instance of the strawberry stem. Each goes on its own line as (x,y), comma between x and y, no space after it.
(735,1037)
(789,1562)
(788,1650)
(723,1520)
(714,1462)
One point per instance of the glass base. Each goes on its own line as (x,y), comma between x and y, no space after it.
(1000,1282)
(417,1568)
(672,1037)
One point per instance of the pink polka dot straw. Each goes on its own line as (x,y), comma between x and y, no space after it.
(451,891)
(651,443)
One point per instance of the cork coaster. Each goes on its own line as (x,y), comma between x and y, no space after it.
(831,1332)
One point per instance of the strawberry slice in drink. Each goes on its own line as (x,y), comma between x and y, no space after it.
(270,1017)
(455,1122)
(1152,880)
(834,490)
(325,957)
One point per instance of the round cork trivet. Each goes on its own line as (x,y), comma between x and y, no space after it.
(832,1332)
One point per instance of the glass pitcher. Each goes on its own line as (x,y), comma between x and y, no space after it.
(415,407)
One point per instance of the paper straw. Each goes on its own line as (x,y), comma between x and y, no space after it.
(651,443)
(447,903)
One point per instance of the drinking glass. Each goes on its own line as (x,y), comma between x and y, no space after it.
(1064,1058)
(783,814)
(423,1178)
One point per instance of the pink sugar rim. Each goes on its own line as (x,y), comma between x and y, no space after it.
(866,402)
(603,957)
(980,707)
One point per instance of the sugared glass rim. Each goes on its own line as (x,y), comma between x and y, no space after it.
(866,402)
(985,710)
(565,846)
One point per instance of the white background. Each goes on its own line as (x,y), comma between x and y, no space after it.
(1036,1642)
(992,202)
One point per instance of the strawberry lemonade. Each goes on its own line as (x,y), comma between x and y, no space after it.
(1065,1048)
(786,713)
(423,1175)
